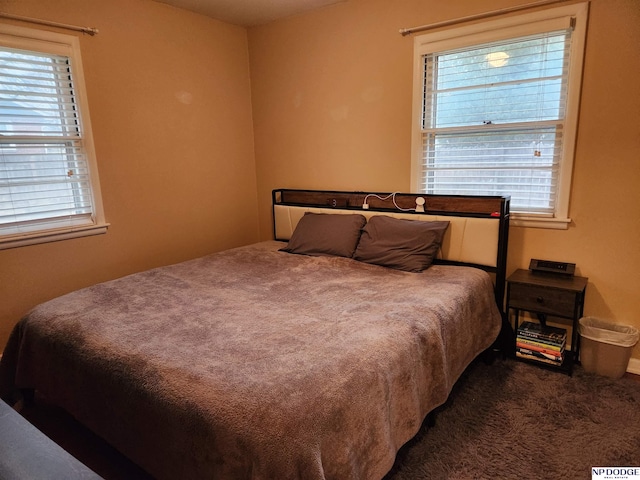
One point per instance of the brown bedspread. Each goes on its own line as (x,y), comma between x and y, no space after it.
(255,363)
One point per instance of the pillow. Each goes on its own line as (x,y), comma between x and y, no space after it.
(409,245)
(326,234)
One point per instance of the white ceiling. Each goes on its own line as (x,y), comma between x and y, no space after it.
(249,13)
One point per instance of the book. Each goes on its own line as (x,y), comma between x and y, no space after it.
(547,346)
(540,347)
(540,355)
(535,331)
(537,359)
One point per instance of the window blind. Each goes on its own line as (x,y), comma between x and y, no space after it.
(493,119)
(44,176)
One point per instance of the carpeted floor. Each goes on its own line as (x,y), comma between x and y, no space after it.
(506,420)
(516,420)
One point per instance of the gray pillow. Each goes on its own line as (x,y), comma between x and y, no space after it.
(409,245)
(326,234)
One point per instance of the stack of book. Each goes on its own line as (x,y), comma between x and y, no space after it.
(542,344)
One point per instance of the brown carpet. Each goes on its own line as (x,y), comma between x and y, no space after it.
(506,420)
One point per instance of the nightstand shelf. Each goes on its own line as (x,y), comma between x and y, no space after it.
(548,295)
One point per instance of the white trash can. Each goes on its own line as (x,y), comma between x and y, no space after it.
(605,347)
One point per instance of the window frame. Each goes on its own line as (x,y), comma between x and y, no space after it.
(504,28)
(41,41)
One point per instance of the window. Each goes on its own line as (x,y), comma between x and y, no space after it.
(496,106)
(49,186)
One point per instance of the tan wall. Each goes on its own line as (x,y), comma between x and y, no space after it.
(332,110)
(168,168)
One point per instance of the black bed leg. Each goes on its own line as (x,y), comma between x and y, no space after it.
(506,340)
(431,419)
(28,396)
(489,356)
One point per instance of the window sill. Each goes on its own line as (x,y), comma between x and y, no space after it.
(520,220)
(53,235)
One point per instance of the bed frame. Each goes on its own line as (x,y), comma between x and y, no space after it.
(396,382)
(477,235)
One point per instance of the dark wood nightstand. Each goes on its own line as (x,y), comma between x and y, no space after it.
(545,295)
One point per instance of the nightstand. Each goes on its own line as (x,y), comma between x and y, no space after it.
(548,294)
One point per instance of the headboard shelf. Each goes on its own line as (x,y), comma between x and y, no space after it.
(434,204)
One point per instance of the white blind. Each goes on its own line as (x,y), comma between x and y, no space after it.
(44,177)
(493,120)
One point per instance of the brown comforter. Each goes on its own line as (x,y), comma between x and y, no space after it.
(255,363)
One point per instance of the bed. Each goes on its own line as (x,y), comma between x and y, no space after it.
(260,363)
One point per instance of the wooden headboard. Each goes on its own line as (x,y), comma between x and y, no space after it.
(477,235)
